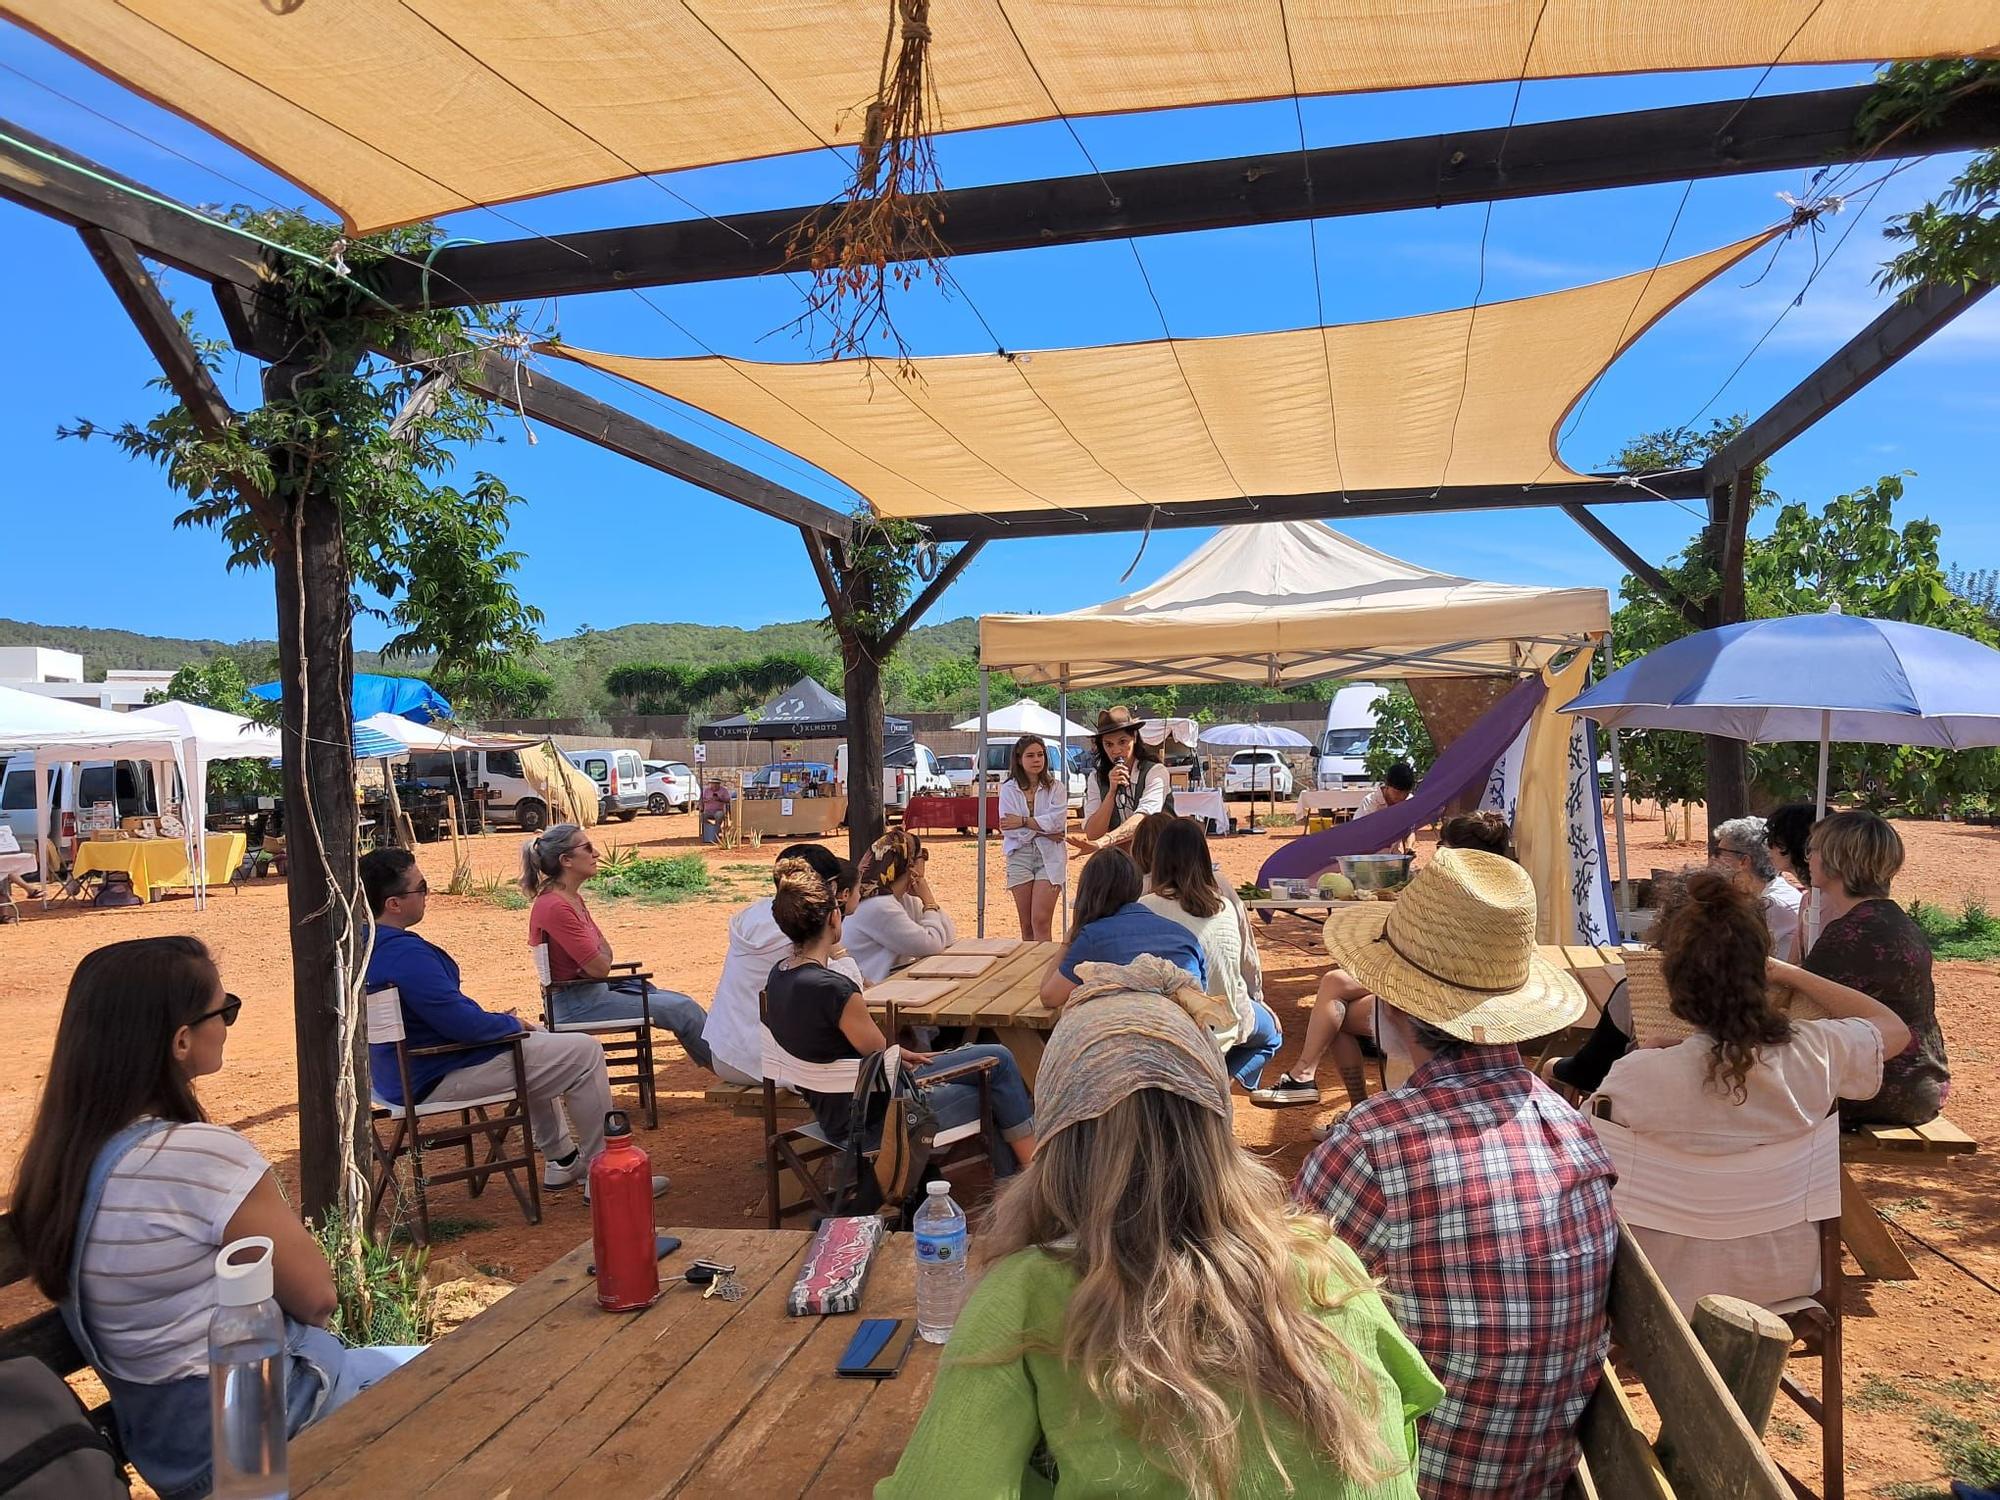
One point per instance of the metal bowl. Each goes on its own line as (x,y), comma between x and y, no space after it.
(1377,872)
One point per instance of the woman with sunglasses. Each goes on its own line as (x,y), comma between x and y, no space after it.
(554,866)
(125,1194)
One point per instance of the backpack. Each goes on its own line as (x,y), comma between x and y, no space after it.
(908,1126)
(49,1448)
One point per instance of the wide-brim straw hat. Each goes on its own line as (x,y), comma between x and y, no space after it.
(1457,950)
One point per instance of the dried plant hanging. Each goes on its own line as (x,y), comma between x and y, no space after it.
(884,234)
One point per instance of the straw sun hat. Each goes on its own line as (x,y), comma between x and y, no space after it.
(1457,950)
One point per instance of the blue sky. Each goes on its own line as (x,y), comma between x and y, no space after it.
(609,542)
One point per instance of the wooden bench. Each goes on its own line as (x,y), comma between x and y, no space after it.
(1713,1393)
(1861,1224)
(747,1099)
(45,1336)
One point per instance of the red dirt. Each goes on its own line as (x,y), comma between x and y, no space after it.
(1912,1348)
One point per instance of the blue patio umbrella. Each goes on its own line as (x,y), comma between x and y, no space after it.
(373,744)
(1811,677)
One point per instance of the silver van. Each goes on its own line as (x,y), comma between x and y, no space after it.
(620,776)
(128,784)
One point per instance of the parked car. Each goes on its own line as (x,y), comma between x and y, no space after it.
(671,786)
(958,771)
(620,776)
(908,770)
(1259,773)
(514,798)
(127,783)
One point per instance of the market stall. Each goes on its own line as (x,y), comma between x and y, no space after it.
(1290,602)
(798,806)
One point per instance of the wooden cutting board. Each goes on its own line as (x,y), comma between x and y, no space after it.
(908,991)
(998,947)
(952,966)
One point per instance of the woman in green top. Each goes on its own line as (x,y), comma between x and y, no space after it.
(1155,1319)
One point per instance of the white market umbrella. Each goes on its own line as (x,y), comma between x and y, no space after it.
(218,735)
(1260,737)
(1026,716)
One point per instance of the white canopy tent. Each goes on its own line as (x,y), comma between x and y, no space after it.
(69,734)
(1290,602)
(1026,716)
(218,735)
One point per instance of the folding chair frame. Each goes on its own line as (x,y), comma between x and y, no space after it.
(628,1047)
(1818,1330)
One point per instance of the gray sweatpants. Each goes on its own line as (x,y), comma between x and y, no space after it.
(564,1065)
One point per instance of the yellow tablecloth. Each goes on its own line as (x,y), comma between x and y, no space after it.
(156,863)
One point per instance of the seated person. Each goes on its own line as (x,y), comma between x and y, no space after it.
(817,1015)
(1478,1200)
(1611,1038)
(554,866)
(558,1065)
(898,918)
(1395,788)
(1869,943)
(1186,892)
(1743,854)
(1097,1343)
(1749,1081)
(1343,1013)
(1109,926)
(125,1194)
(715,800)
(1144,841)
(1786,833)
(756,943)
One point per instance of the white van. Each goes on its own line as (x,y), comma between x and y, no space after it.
(908,770)
(620,776)
(126,783)
(1350,725)
(515,799)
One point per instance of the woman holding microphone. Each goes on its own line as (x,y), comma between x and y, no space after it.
(1129,782)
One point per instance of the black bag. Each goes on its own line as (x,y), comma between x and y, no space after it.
(49,1450)
(908,1127)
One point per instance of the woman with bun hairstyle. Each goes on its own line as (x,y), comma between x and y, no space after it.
(816,1013)
(1751,1085)
(898,918)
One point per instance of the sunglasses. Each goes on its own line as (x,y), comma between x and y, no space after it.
(231,1007)
(421,888)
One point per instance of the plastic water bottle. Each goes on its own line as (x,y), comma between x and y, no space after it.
(939,1228)
(246,1376)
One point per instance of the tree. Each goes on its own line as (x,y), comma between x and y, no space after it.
(333,481)
(1954,240)
(1400,734)
(504,690)
(219,684)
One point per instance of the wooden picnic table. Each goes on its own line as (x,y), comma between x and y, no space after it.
(545,1394)
(1004,1000)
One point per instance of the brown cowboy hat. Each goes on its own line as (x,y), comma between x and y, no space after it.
(1118,716)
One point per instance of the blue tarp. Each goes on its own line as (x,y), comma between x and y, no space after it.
(406,697)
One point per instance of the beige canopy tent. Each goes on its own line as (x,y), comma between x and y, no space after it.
(1296,601)
(398,110)
(1464,397)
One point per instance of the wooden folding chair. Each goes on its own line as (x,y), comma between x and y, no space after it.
(627,1043)
(810,1155)
(1815,1324)
(459,1124)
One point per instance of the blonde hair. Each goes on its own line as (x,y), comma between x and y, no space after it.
(1196,1314)
(1859,850)
(542,857)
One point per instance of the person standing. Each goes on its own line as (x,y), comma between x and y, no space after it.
(1130,780)
(1034,819)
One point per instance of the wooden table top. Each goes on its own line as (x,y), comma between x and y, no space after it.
(545,1394)
(1007,994)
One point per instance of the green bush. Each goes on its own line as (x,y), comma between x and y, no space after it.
(656,882)
(383,1298)
(1972,932)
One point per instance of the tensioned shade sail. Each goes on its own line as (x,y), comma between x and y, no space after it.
(1294,601)
(394,110)
(1449,398)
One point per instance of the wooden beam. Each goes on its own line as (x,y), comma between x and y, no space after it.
(1327,505)
(38,174)
(954,565)
(1636,565)
(1892,335)
(1780,132)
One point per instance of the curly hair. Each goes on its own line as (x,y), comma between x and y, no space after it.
(1713,948)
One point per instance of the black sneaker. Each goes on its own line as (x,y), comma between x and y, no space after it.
(1287,1092)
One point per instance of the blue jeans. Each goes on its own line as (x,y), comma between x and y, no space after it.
(624,1001)
(958,1103)
(1245,1061)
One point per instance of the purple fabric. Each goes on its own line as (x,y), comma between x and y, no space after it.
(1464,764)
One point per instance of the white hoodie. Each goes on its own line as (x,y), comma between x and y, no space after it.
(756,946)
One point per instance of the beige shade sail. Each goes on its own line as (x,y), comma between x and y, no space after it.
(1295,601)
(395,110)
(1450,398)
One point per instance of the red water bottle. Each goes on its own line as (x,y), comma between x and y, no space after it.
(621,1221)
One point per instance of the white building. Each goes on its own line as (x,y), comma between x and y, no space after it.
(59,674)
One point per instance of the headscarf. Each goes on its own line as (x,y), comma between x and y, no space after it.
(885,863)
(1125,1030)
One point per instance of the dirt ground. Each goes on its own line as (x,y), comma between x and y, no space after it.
(1923,1357)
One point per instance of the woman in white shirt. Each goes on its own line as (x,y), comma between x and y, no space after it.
(1129,781)
(125,1194)
(898,918)
(1743,853)
(1726,1144)
(1034,822)
(1185,891)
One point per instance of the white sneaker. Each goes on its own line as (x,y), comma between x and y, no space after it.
(661,1183)
(555,1177)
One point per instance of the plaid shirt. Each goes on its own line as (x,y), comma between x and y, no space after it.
(1483,1203)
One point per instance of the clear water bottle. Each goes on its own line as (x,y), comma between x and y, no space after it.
(939,1228)
(246,1375)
